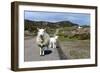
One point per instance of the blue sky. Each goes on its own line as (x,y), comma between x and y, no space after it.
(79,18)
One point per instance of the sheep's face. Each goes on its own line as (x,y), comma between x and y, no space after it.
(41,32)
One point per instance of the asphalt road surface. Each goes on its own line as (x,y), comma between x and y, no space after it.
(65,50)
(32,52)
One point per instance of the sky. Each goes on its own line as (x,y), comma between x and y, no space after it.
(78,18)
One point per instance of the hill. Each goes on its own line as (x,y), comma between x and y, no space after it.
(30,25)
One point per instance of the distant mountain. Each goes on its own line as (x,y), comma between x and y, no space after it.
(50,24)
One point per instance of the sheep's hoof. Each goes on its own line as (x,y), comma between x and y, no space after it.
(42,55)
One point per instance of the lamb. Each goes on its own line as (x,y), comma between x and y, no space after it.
(53,42)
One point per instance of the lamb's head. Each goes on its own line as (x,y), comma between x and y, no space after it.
(56,37)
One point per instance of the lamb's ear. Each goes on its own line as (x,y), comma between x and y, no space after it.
(57,37)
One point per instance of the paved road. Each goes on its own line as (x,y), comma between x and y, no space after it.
(32,52)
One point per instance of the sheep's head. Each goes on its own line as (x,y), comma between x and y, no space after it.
(41,32)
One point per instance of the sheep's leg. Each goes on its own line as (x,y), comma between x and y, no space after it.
(43,51)
(40,51)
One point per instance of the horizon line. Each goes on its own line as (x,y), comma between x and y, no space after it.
(56,21)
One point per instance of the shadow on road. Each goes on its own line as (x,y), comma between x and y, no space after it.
(47,52)
(60,51)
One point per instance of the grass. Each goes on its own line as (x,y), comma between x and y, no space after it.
(76,49)
(78,54)
(62,38)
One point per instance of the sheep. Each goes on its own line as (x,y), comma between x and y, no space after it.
(42,40)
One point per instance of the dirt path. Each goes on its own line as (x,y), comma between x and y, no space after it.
(32,52)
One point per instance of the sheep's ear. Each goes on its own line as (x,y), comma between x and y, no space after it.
(37,28)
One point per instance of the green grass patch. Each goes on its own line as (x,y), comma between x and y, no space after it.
(62,38)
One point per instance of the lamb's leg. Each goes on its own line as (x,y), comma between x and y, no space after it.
(53,45)
(50,45)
